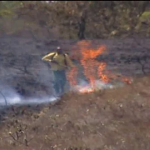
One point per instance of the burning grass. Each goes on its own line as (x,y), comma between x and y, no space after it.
(92,69)
(107,119)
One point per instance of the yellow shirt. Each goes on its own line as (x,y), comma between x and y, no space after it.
(60,59)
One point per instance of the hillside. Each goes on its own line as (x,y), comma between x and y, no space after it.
(109,44)
(23,71)
(108,119)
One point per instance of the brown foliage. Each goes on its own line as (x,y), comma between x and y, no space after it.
(80,19)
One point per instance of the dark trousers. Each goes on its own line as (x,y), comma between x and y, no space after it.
(59,81)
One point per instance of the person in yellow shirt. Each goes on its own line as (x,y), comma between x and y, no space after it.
(59,62)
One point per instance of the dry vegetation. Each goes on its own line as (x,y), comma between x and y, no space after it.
(105,120)
(75,20)
(114,119)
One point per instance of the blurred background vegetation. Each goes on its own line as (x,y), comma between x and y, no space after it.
(75,19)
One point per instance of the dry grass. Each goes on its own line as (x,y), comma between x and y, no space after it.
(116,119)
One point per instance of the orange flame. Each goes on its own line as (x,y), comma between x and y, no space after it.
(91,67)
(86,90)
(72,76)
(101,68)
(127,80)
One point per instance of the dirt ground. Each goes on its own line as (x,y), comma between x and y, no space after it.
(114,119)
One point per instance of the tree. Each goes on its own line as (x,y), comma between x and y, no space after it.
(78,19)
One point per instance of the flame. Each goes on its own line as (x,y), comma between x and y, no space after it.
(92,69)
(103,77)
(126,80)
(86,89)
(72,76)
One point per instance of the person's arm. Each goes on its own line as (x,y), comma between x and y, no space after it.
(47,57)
(69,61)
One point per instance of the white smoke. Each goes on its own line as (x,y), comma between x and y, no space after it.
(99,85)
(8,97)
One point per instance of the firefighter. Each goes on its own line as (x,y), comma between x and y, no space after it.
(59,62)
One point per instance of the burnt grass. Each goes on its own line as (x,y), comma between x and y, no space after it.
(114,119)
(23,70)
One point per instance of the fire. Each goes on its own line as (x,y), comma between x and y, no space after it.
(127,80)
(92,69)
(101,68)
(72,76)
(86,89)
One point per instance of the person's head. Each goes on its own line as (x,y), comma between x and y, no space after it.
(59,50)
